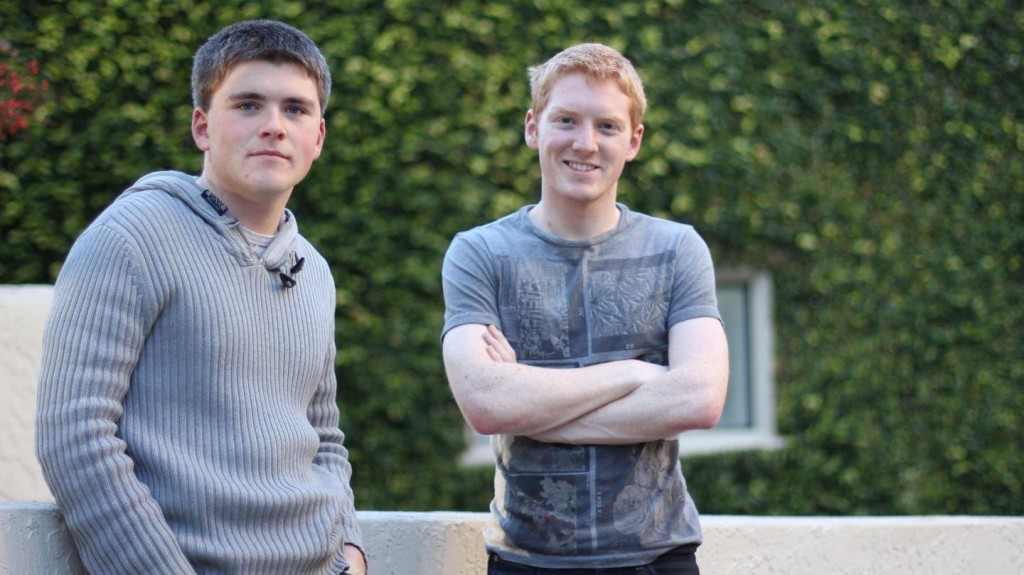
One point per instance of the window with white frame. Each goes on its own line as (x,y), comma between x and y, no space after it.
(748,420)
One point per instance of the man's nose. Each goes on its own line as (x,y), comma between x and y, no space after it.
(273,124)
(586,139)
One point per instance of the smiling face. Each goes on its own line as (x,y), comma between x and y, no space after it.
(261,134)
(584,138)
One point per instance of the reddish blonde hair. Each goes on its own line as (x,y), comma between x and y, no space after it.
(596,62)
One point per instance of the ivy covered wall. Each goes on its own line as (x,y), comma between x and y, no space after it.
(868,153)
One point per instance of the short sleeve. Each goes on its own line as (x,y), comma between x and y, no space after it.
(469,282)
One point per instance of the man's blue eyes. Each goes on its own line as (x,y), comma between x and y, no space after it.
(251,106)
(570,121)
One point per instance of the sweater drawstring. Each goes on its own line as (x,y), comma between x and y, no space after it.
(286,278)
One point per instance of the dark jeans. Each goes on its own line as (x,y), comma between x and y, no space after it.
(681,561)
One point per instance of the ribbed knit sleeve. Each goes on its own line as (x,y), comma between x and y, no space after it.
(332,455)
(89,352)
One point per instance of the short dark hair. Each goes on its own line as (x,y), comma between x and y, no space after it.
(267,40)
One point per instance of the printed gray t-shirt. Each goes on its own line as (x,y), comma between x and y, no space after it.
(566,304)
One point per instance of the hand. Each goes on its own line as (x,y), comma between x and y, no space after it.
(648,371)
(498,347)
(356,560)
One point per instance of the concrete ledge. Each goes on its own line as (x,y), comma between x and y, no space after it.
(34,541)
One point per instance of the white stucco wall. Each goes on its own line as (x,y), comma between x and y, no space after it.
(23,312)
(33,541)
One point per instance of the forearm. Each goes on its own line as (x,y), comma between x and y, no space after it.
(690,395)
(525,400)
(512,398)
(332,455)
(117,525)
(661,409)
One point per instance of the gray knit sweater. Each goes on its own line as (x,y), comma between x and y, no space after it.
(187,418)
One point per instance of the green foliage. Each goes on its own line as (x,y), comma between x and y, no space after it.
(867,153)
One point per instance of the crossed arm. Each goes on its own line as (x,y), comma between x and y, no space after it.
(628,401)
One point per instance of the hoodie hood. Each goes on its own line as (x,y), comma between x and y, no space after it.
(280,256)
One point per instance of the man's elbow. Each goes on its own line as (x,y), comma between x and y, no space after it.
(490,418)
(710,402)
(481,423)
(714,408)
(483,417)
(707,417)
(703,413)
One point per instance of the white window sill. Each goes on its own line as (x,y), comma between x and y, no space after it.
(700,442)
(705,442)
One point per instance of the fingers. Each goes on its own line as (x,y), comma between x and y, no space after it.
(498,348)
(493,353)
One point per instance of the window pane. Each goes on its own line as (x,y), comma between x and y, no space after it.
(733,304)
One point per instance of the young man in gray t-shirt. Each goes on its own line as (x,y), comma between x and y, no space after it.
(584,338)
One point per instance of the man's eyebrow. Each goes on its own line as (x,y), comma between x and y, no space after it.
(561,110)
(604,117)
(247,96)
(305,102)
(258,97)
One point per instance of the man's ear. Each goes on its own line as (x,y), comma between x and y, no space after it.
(530,129)
(634,142)
(200,129)
(320,138)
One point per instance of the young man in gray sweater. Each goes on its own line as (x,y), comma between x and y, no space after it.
(584,337)
(187,420)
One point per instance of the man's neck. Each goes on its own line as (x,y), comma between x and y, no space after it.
(575,223)
(262,218)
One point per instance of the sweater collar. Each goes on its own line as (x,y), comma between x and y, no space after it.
(280,256)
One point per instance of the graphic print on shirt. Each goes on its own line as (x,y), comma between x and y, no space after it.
(629,302)
(560,312)
(571,313)
(537,296)
(651,476)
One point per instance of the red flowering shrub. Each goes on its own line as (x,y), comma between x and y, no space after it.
(21,90)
